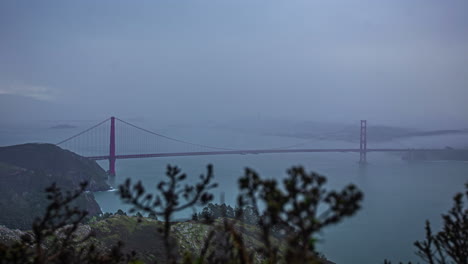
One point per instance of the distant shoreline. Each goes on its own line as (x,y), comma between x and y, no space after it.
(374,134)
(63,126)
(447,154)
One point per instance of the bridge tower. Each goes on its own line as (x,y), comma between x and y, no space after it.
(363,143)
(112,148)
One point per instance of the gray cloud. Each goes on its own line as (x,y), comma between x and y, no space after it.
(389,61)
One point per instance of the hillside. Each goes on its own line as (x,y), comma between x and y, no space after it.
(374,133)
(437,155)
(141,235)
(26,170)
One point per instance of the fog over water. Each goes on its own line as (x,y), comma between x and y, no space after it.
(256,74)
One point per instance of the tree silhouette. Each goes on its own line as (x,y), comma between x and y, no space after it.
(168,199)
(55,238)
(292,210)
(450,245)
(288,214)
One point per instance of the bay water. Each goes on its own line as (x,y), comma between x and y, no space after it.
(399,196)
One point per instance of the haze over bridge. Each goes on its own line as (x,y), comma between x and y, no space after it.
(103,139)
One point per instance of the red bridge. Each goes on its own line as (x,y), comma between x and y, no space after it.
(102,132)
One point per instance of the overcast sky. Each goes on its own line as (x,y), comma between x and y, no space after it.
(387,61)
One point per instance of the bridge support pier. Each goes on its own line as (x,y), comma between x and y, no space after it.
(363,143)
(111,170)
(112,158)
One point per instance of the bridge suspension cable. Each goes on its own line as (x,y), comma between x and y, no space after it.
(172,139)
(133,141)
(82,132)
(129,141)
(313,138)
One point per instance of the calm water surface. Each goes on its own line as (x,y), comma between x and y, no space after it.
(399,196)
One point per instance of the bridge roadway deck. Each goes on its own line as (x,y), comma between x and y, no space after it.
(254,151)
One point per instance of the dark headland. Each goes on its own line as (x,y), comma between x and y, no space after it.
(26,170)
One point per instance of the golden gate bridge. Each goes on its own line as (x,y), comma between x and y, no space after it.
(102,142)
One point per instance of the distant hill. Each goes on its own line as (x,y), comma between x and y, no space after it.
(374,133)
(26,170)
(15,108)
(63,126)
(443,154)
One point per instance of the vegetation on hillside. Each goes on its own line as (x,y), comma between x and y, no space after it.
(286,217)
(53,164)
(26,170)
